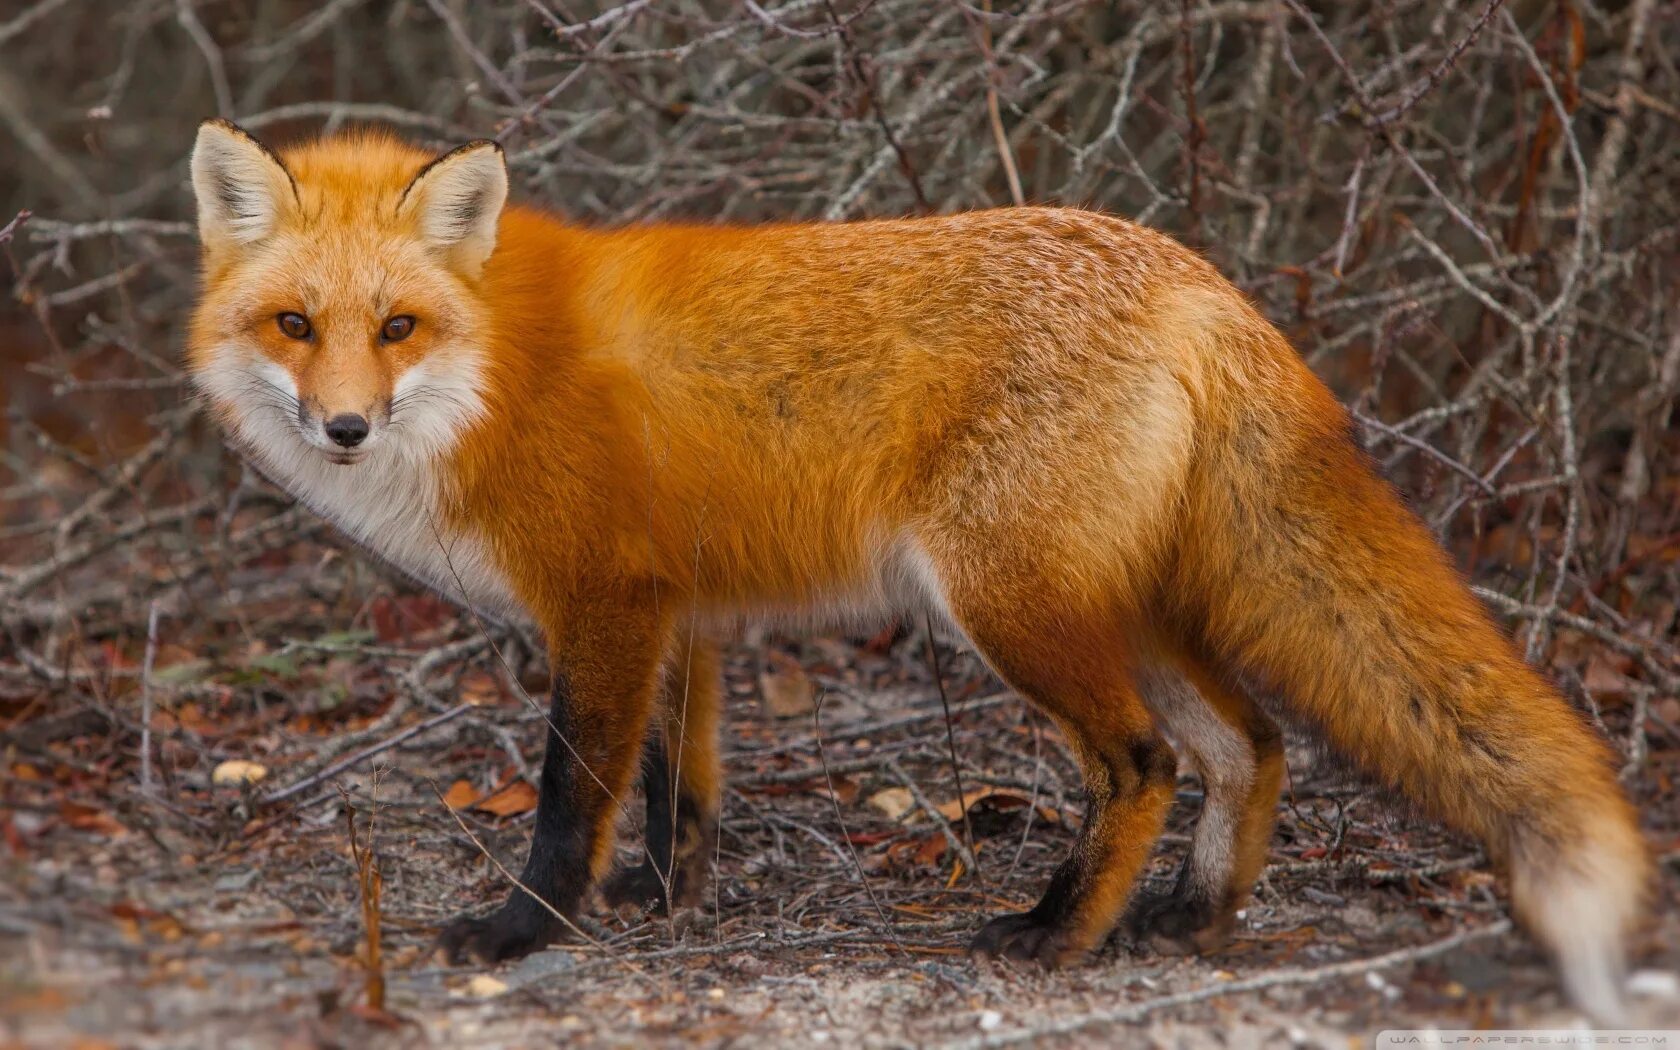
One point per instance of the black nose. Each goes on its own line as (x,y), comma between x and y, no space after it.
(347,430)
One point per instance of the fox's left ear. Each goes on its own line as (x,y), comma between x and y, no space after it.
(457,201)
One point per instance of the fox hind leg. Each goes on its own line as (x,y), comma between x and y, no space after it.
(1237,750)
(682,783)
(1072,668)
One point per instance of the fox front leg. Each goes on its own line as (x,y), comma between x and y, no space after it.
(606,661)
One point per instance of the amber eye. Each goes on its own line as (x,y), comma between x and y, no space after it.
(296,326)
(397,329)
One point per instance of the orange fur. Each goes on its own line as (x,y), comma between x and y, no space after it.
(1065,434)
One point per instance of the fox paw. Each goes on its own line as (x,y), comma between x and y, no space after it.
(639,887)
(509,932)
(1178,924)
(1027,939)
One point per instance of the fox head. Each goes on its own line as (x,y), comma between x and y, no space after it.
(339,317)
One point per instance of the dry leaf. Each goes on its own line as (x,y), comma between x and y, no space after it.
(892,802)
(870,838)
(134,919)
(995,798)
(479,688)
(921,852)
(187,716)
(10,835)
(129,930)
(518,797)
(460,795)
(397,620)
(20,1001)
(238,771)
(88,818)
(485,987)
(931,849)
(1603,679)
(1052,815)
(844,790)
(788,691)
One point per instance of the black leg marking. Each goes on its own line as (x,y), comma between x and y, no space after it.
(558,866)
(1040,934)
(1089,888)
(1181,921)
(674,865)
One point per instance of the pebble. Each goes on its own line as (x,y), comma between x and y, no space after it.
(485,986)
(238,771)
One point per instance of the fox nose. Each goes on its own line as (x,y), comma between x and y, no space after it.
(347,430)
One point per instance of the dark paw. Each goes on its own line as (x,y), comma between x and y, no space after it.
(1027,939)
(512,931)
(1177,924)
(641,887)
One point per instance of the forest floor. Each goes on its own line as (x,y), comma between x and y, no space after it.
(197,914)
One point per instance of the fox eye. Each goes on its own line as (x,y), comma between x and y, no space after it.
(296,326)
(397,329)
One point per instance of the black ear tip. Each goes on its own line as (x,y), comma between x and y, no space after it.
(224,124)
(481,143)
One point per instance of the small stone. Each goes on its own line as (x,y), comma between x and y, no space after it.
(1655,984)
(788,691)
(539,966)
(990,1020)
(236,771)
(485,986)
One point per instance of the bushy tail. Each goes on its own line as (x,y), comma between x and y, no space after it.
(1303,570)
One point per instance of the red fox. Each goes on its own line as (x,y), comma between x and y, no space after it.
(1064,435)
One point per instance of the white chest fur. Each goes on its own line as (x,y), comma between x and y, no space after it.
(389,505)
(389,501)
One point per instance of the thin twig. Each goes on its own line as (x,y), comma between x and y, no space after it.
(973,854)
(1006,153)
(146,785)
(840,819)
(351,761)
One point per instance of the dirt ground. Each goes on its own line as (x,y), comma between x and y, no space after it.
(205,915)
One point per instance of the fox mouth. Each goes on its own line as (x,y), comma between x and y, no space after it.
(346,459)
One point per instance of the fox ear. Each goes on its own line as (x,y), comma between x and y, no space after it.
(243,189)
(457,201)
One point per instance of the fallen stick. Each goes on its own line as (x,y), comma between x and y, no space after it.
(281,794)
(884,725)
(1261,982)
